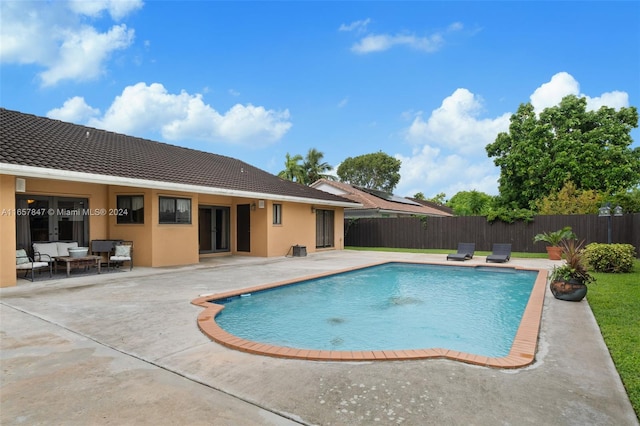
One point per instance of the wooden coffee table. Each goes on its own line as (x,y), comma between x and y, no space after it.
(78,262)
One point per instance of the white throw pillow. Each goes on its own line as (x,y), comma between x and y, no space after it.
(21,257)
(123,251)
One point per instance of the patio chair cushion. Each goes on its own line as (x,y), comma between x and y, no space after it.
(32,265)
(21,257)
(123,252)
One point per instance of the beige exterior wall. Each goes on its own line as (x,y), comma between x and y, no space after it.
(158,244)
(96,194)
(298,228)
(7,231)
(173,244)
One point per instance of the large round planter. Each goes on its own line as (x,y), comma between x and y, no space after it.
(572,291)
(554,252)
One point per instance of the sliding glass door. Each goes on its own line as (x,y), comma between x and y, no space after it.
(213,229)
(41,218)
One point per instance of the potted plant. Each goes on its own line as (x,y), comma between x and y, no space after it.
(569,281)
(554,239)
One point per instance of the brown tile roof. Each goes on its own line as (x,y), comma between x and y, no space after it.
(370,201)
(29,140)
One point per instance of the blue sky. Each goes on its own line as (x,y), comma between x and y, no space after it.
(431,83)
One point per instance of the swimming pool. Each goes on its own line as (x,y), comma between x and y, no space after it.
(481,315)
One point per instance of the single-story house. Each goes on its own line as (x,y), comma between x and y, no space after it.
(375,203)
(65,182)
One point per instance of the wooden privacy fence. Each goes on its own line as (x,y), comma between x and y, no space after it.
(447,232)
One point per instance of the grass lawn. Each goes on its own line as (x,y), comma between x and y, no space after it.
(615,302)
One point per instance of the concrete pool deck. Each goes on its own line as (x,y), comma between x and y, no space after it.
(125,348)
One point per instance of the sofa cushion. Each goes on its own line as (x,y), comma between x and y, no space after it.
(63,248)
(50,249)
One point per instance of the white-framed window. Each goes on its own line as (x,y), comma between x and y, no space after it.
(277,214)
(175,210)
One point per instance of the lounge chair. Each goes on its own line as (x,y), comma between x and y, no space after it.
(465,252)
(501,253)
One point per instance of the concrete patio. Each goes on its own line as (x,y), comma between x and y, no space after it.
(124,348)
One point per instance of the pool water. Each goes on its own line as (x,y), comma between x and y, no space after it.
(393,306)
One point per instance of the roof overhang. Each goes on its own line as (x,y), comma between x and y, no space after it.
(71,176)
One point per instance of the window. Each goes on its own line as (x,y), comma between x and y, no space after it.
(130,209)
(175,210)
(277,214)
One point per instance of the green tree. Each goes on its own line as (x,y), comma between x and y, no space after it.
(565,142)
(374,171)
(629,201)
(570,200)
(293,170)
(440,199)
(470,203)
(315,168)
(419,196)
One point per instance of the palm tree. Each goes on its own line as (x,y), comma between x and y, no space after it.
(314,168)
(293,170)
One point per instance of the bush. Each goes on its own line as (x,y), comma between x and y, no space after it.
(610,257)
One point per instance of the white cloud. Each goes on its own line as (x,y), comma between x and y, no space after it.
(74,110)
(456,124)
(358,26)
(449,144)
(50,35)
(142,109)
(118,9)
(430,171)
(82,53)
(563,84)
(343,103)
(381,42)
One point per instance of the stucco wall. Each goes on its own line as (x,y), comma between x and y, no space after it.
(298,228)
(7,231)
(158,244)
(173,244)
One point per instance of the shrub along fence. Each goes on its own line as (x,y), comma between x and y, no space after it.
(446,232)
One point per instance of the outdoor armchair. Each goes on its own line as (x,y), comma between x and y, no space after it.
(27,264)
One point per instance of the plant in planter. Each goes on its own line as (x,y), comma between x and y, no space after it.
(569,281)
(554,239)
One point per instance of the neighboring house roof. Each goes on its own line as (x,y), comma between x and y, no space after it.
(377,200)
(33,146)
(434,205)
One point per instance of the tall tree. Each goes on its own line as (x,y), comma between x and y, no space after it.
(374,171)
(539,154)
(315,168)
(440,198)
(470,203)
(293,170)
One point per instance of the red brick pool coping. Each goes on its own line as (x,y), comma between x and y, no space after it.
(522,351)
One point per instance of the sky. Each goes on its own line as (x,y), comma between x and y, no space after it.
(430,83)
